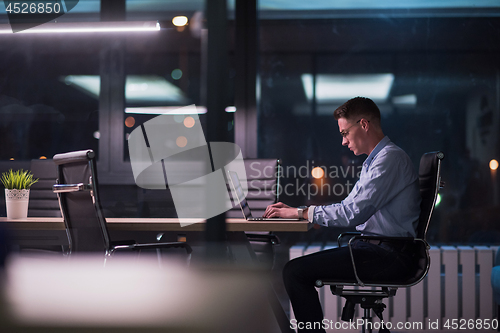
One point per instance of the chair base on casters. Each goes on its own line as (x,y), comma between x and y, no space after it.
(368,300)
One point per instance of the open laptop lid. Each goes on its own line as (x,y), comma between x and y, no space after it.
(239,194)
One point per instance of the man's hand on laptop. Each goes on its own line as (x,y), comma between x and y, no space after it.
(280,210)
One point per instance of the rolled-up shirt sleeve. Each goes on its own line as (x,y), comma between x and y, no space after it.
(310,213)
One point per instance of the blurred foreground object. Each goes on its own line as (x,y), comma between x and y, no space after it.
(79,294)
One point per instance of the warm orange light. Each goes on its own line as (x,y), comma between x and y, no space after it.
(493,164)
(42,157)
(130,121)
(318,172)
(189,122)
(12,158)
(181,141)
(180,21)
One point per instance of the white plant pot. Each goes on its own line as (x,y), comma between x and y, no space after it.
(16,202)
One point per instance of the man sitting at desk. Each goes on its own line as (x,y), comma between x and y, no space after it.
(385,201)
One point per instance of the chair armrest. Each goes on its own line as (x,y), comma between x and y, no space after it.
(62,188)
(143,246)
(382,238)
(269,238)
(123,242)
(345,234)
(385,238)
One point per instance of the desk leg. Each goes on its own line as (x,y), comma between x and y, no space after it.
(241,253)
(240,250)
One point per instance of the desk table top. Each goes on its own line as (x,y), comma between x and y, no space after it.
(158,224)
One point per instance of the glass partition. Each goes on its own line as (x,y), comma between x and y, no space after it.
(44,110)
(433,70)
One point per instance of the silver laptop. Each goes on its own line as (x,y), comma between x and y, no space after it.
(239,196)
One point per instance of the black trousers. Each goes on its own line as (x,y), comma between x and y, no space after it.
(372,262)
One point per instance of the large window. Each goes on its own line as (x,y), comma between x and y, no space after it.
(42,110)
(434,73)
(66,92)
(432,67)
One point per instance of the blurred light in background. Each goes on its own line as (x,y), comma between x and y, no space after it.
(318,172)
(493,164)
(130,121)
(180,21)
(181,141)
(176,74)
(438,200)
(189,122)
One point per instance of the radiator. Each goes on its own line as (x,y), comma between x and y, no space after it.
(456,291)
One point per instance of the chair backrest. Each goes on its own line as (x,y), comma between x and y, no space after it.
(429,174)
(263,185)
(43,202)
(77,189)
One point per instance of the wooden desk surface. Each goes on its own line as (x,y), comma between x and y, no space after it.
(158,224)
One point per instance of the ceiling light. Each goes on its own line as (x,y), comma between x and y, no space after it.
(172,110)
(86,27)
(334,88)
(139,89)
(166,110)
(405,100)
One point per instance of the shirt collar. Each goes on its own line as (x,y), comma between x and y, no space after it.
(375,151)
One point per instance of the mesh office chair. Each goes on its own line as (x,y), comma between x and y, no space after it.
(77,188)
(430,183)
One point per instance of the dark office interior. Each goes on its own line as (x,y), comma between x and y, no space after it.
(443,95)
(432,68)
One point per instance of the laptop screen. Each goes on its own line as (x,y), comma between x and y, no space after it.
(239,194)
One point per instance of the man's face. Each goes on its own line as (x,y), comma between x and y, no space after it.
(353,136)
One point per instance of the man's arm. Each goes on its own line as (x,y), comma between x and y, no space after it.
(387,177)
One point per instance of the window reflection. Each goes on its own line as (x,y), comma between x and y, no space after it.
(40,115)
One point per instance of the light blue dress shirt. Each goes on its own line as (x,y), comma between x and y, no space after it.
(385,200)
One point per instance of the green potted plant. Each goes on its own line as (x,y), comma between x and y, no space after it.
(17,190)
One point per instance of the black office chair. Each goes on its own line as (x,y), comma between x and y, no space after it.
(77,188)
(430,183)
(43,202)
(263,176)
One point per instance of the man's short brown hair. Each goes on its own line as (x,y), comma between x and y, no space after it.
(358,107)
